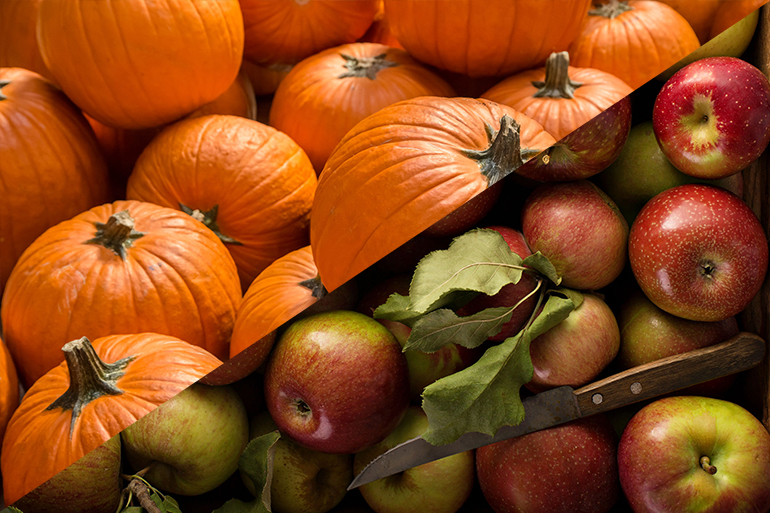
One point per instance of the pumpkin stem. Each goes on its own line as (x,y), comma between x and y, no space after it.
(3,83)
(141,489)
(209,218)
(365,66)
(90,377)
(317,290)
(116,234)
(557,83)
(504,153)
(611,9)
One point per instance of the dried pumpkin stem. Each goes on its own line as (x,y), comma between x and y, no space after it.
(503,154)
(317,290)
(139,488)
(209,218)
(557,83)
(365,67)
(117,234)
(90,378)
(611,9)
(3,83)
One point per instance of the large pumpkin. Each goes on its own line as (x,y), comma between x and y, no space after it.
(50,164)
(560,97)
(99,390)
(635,40)
(141,63)
(19,49)
(405,167)
(250,183)
(483,38)
(123,267)
(326,94)
(287,31)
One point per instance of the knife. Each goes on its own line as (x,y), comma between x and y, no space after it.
(563,404)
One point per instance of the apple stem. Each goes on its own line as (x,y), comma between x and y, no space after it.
(209,218)
(365,67)
(116,234)
(705,463)
(612,9)
(504,153)
(557,83)
(317,289)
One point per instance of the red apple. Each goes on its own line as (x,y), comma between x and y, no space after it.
(695,454)
(712,117)
(571,467)
(698,252)
(337,382)
(579,229)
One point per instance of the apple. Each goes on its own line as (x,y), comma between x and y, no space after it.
(466,215)
(510,294)
(91,484)
(648,333)
(695,454)
(570,467)
(579,229)
(712,117)
(578,349)
(337,382)
(642,170)
(698,252)
(303,480)
(439,486)
(192,442)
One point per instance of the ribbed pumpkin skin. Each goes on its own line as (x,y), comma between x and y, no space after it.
(37,444)
(637,45)
(19,47)
(399,171)
(178,279)
(287,31)
(9,388)
(141,63)
(51,167)
(318,101)
(700,14)
(260,179)
(484,38)
(560,116)
(275,296)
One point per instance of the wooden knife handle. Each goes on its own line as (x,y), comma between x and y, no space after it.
(672,373)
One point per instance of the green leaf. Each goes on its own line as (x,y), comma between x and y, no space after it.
(11,509)
(171,505)
(541,264)
(486,395)
(442,327)
(396,308)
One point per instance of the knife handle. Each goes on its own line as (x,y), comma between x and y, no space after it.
(672,373)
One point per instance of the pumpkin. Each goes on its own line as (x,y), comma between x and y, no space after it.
(491,37)
(9,388)
(141,63)
(249,183)
(379,31)
(326,94)
(50,164)
(559,96)
(700,14)
(122,267)
(405,167)
(100,389)
(265,79)
(634,40)
(19,46)
(287,31)
(731,12)
(237,100)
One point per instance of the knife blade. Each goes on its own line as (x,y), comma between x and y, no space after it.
(563,404)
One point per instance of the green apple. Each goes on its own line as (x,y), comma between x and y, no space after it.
(192,442)
(439,486)
(303,480)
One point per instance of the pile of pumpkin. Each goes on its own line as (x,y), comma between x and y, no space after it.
(142,196)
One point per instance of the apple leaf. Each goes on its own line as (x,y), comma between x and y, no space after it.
(541,264)
(11,509)
(256,462)
(486,395)
(441,327)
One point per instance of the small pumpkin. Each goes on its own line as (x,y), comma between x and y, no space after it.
(287,31)
(249,183)
(379,31)
(140,63)
(19,48)
(123,267)
(265,78)
(50,164)
(560,97)
(101,388)
(405,167)
(9,387)
(634,40)
(326,94)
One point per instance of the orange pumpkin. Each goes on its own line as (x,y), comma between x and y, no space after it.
(19,46)
(379,31)
(287,31)
(700,14)
(9,388)
(265,79)
(140,63)
(51,168)
(559,96)
(326,94)
(123,267)
(731,12)
(634,40)
(100,389)
(482,38)
(405,167)
(237,100)
(251,184)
